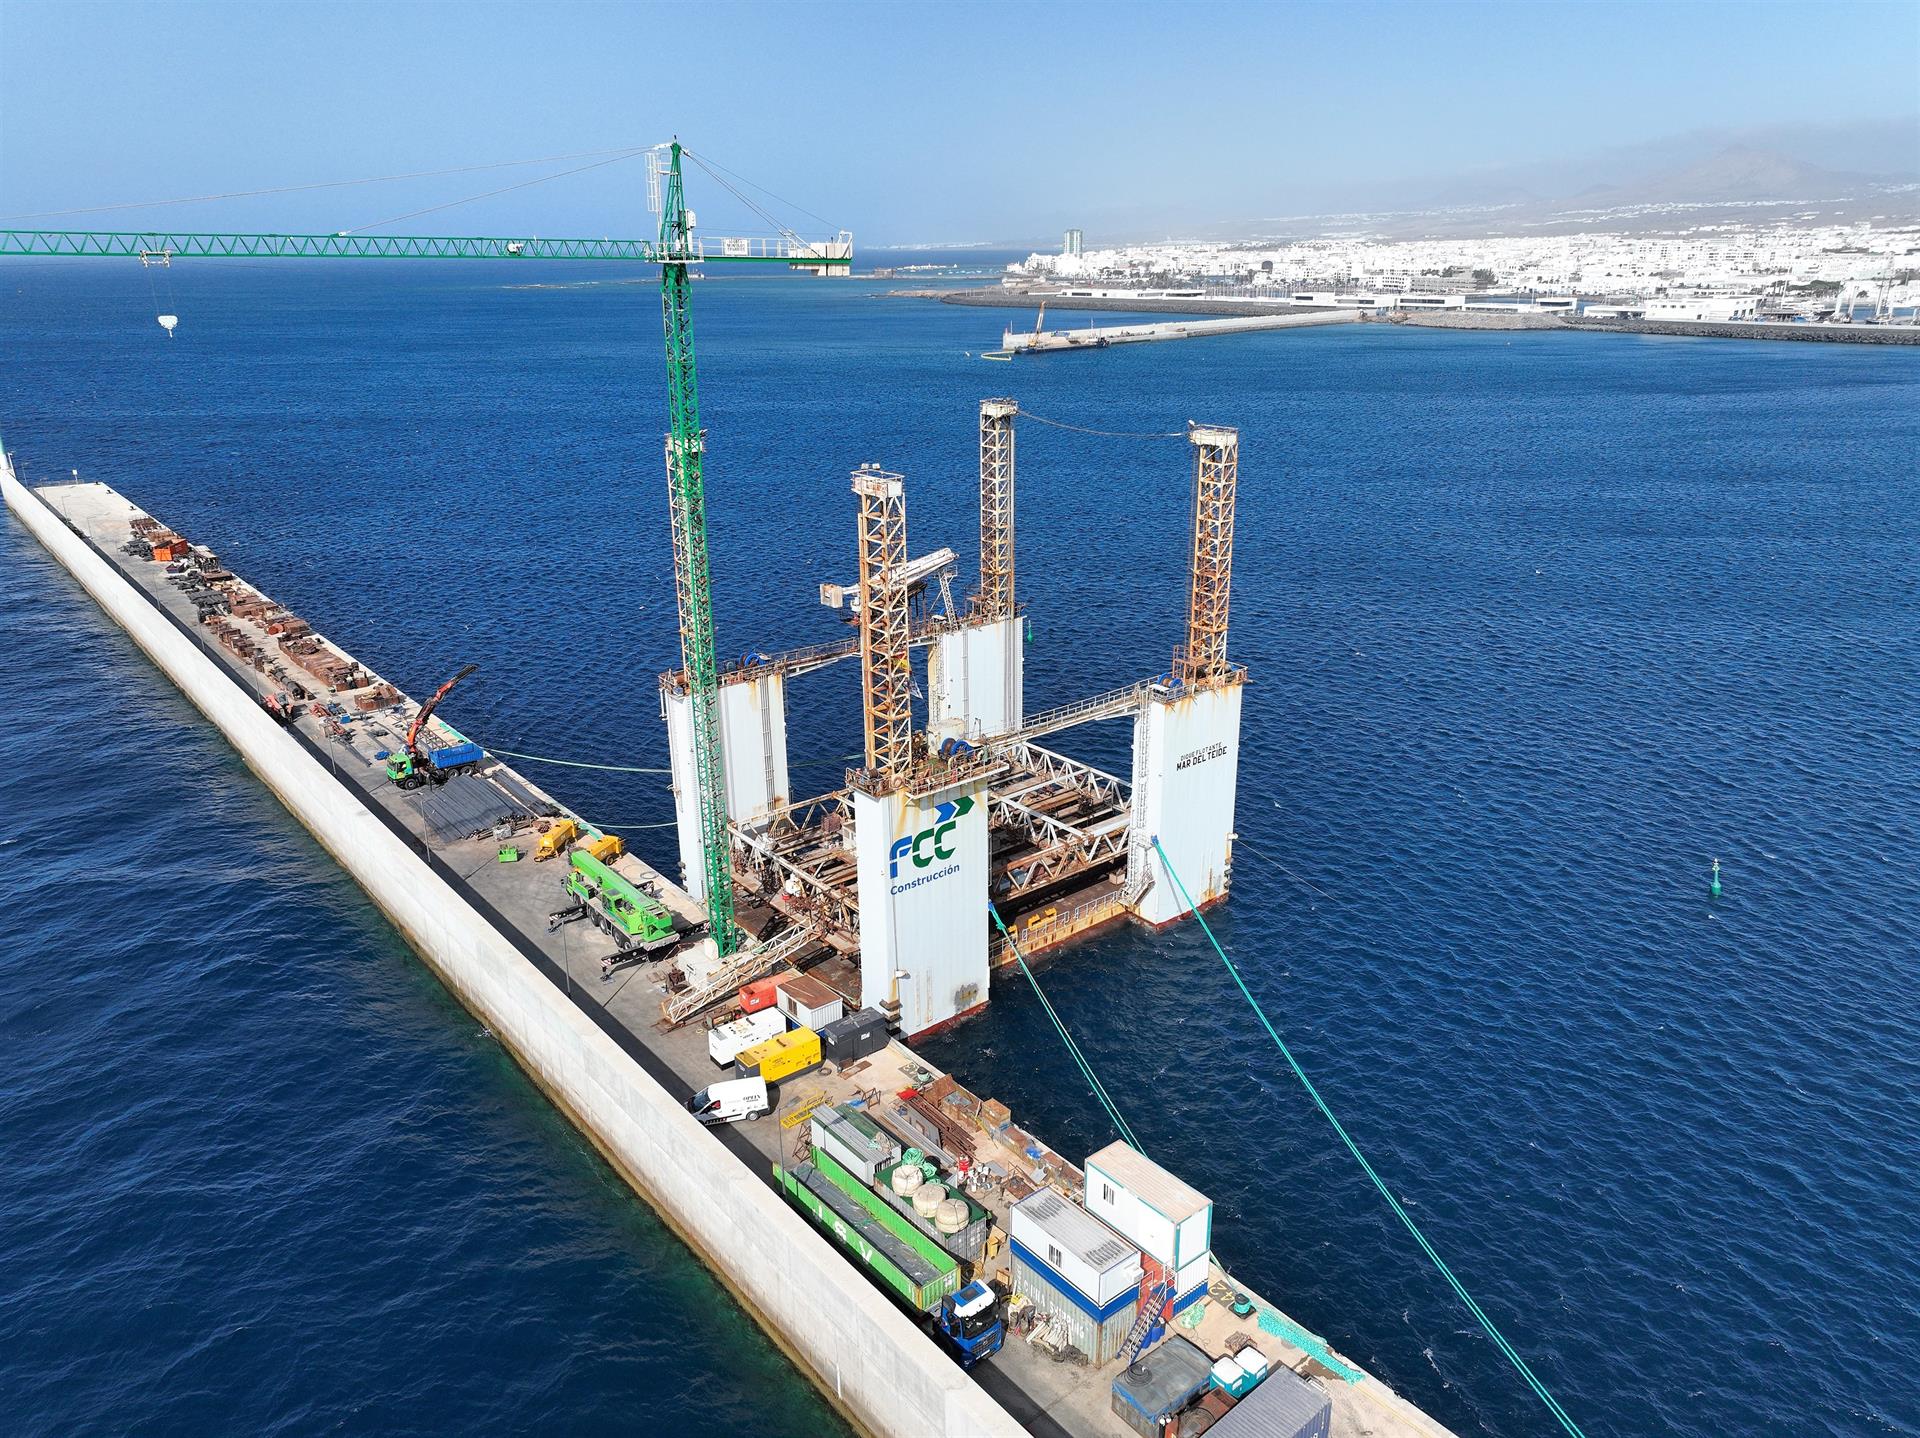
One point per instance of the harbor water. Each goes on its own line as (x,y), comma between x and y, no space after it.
(1539,625)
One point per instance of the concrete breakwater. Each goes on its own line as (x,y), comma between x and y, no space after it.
(863,1353)
(1761,330)
(1744,330)
(599,1050)
(997,298)
(1100,336)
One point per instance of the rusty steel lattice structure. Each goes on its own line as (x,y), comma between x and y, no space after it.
(995,599)
(1201,661)
(886,634)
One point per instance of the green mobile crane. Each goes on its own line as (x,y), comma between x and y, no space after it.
(675,249)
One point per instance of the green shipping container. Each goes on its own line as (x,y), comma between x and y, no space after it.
(893,1250)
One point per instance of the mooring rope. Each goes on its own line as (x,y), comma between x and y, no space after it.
(1073,1049)
(1103,433)
(639,769)
(576,763)
(1493,1332)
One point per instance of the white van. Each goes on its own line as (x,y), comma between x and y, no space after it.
(728,1041)
(730,1102)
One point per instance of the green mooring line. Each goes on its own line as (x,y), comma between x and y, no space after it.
(575,763)
(1306,1342)
(1073,1049)
(1493,1332)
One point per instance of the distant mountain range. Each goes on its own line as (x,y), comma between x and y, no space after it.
(1692,179)
(1739,174)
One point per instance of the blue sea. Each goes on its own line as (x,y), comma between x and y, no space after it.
(1538,625)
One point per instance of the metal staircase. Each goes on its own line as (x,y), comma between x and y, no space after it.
(1148,1324)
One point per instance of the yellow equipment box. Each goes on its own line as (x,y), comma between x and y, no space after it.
(606,848)
(795,1051)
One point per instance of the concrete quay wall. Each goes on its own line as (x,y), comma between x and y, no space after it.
(1696,329)
(865,1354)
(1817,333)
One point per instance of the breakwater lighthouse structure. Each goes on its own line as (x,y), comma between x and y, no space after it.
(882,887)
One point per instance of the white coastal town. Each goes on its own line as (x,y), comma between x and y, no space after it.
(1866,271)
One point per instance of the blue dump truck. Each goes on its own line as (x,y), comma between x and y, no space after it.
(905,1261)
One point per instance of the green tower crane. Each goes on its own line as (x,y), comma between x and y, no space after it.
(675,249)
(693,589)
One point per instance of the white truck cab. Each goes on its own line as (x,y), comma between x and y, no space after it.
(729,1102)
(726,1042)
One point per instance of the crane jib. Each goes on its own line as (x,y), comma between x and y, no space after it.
(132,244)
(675,249)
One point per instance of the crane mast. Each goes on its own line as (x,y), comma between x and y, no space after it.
(693,589)
(674,249)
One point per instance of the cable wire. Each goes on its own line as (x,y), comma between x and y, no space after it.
(320,185)
(576,763)
(1353,1148)
(1245,847)
(1103,433)
(488,195)
(778,228)
(711,165)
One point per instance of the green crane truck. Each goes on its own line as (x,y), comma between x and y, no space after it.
(637,923)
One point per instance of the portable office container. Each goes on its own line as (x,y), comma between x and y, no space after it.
(1171,1222)
(850,1039)
(859,1144)
(1284,1405)
(1076,1270)
(1164,1380)
(808,1003)
(794,1052)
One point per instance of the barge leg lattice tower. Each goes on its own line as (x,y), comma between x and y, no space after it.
(995,599)
(1186,741)
(886,662)
(975,679)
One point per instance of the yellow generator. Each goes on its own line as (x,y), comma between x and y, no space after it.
(795,1052)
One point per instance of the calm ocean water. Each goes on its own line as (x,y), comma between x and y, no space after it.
(1539,625)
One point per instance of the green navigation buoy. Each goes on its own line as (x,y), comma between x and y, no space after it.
(1714,887)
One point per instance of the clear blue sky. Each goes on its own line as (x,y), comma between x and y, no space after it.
(909,122)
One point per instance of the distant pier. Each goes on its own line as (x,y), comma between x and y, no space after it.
(1101,336)
(1011,297)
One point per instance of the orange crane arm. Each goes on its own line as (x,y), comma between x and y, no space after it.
(426,709)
